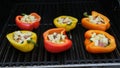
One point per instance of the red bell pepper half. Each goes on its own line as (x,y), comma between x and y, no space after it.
(28,22)
(56,40)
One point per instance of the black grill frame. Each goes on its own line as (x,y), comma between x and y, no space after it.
(76,56)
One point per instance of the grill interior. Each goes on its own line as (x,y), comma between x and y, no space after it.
(9,56)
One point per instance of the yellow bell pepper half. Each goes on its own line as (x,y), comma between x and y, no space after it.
(69,26)
(27,45)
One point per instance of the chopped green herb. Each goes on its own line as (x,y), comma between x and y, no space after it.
(31,41)
(69,23)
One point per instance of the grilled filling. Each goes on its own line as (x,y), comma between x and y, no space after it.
(56,37)
(20,37)
(100,40)
(28,19)
(66,20)
(96,20)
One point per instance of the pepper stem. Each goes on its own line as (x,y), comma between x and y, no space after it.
(86,14)
(31,41)
(24,14)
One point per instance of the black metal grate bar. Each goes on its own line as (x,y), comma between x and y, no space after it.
(9,56)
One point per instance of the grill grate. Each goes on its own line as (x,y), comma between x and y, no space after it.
(9,56)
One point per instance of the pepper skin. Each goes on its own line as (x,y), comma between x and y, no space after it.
(103,26)
(90,45)
(30,25)
(56,47)
(25,46)
(68,27)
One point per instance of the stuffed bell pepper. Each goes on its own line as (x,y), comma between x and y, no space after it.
(22,40)
(95,21)
(28,22)
(56,40)
(97,41)
(67,22)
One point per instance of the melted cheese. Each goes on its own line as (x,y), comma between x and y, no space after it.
(28,19)
(99,39)
(56,38)
(19,37)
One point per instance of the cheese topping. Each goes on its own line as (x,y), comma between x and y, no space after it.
(19,37)
(66,20)
(56,37)
(99,40)
(28,19)
(96,20)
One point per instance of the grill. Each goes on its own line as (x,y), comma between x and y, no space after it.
(77,56)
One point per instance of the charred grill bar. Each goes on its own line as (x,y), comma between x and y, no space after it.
(77,56)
